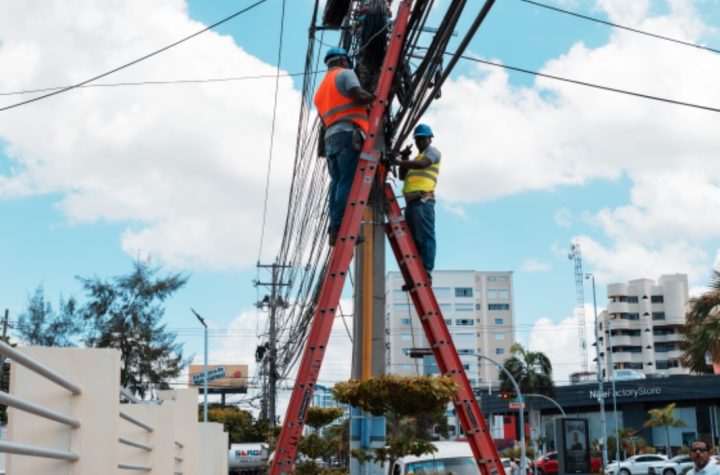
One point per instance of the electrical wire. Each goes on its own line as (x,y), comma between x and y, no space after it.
(159,83)
(272,128)
(592,85)
(615,25)
(135,61)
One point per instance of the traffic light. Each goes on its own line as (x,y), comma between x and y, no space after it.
(507,395)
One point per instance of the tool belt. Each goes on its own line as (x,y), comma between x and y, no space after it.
(419,195)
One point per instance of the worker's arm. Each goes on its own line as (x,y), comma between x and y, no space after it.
(360,95)
(405,165)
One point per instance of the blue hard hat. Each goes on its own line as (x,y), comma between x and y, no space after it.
(334,53)
(423,130)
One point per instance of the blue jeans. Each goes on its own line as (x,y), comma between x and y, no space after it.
(420,218)
(342,163)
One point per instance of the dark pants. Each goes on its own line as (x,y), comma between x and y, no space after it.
(420,218)
(342,163)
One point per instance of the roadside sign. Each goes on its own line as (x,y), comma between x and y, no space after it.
(516,405)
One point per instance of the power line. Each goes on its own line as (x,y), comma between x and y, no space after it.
(272,128)
(615,25)
(131,63)
(592,85)
(157,83)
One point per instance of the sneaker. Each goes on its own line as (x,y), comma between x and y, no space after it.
(407,287)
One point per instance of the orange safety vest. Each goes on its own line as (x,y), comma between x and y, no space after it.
(334,107)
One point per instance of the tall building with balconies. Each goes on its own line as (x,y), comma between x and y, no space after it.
(478,310)
(639,331)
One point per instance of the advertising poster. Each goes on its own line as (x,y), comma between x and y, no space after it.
(576,445)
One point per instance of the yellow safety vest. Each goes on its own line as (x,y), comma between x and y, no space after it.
(421,179)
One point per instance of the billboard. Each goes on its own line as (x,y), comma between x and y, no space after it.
(574,449)
(220,377)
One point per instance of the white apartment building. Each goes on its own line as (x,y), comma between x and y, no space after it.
(641,325)
(479,312)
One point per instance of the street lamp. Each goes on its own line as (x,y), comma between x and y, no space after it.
(562,411)
(614,395)
(523,461)
(601,398)
(205,371)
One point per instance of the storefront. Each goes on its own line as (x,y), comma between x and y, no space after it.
(697,399)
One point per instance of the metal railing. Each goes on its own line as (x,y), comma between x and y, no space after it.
(125,393)
(36,409)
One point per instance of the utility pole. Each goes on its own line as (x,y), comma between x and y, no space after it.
(601,391)
(272,302)
(205,367)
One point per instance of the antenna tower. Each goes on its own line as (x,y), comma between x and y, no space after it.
(576,256)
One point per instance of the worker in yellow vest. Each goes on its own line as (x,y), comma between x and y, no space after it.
(341,103)
(420,176)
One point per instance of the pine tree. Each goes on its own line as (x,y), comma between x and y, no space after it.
(125,313)
(40,325)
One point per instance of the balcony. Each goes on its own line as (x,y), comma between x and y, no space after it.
(618,307)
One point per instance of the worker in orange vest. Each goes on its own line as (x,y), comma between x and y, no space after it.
(341,103)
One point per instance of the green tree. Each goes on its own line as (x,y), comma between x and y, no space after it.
(664,417)
(701,332)
(240,425)
(124,312)
(40,325)
(314,445)
(531,369)
(338,437)
(396,398)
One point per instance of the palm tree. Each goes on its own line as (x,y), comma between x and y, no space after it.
(701,332)
(531,369)
(664,417)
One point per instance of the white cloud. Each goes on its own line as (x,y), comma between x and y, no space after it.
(561,343)
(534,265)
(563,217)
(458,211)
(185,164)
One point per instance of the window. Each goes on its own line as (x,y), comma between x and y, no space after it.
(442,292)
(463,292)
(499,351)
(504,293)
(657,299)
(498,306)
(399,295)
(502,278)
(464,336)
(499,336)
(402,308)
(658,315)
(405,337)
(498,321)
(632,299)
(465,351)
(406,351)
(491,278)
(448,321)
(477,306)
(466,322)
(492,294)
(445,307)
(466,367)
(405,321)
(464,307)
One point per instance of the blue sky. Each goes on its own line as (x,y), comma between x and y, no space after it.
(92,179)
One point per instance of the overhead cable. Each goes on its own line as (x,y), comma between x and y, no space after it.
(272,128)
(592,85)
(138,60)
(159,83)
(615,25)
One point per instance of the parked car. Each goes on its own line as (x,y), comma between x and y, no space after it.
(635,465)
(676,465)
(548,464)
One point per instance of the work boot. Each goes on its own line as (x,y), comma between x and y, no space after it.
(407,287)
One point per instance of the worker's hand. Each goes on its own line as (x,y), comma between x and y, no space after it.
(406,152)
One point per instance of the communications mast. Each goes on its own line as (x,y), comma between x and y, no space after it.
(575,255)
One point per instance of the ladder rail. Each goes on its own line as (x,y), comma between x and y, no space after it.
(331,290)
(440,339)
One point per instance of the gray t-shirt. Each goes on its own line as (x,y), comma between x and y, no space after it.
(344,81)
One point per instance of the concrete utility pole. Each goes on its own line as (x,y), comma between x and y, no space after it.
(272,302)
(367,431)
(2,358)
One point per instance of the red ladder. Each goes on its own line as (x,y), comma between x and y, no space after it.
(448,361)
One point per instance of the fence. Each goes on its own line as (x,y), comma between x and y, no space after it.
(65,417)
